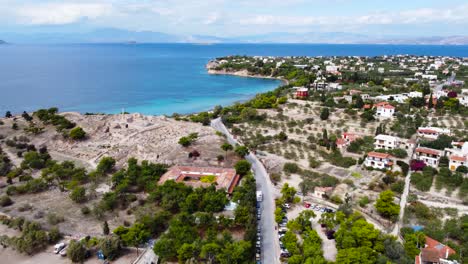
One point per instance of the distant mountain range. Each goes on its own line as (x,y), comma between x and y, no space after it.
(2,42)
(124,36)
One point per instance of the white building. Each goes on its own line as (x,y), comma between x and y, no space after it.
(332,68)
(463,100)
(432,132)
(390,142)
(415,94)
(385,111)
(379,160)
(458,155)
(430,156)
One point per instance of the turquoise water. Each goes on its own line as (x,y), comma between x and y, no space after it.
(149,78)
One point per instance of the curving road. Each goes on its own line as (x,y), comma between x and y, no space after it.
(270,244)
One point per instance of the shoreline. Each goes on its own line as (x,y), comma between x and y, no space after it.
(244,73)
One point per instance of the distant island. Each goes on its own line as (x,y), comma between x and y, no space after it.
(114,35)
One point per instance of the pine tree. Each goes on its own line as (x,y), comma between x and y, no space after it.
(430,105)
(105,228)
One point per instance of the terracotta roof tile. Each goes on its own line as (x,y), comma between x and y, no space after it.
(429,151)
(379,155)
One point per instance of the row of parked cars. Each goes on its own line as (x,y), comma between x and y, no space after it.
(319,208)
(282,230)
(258,244)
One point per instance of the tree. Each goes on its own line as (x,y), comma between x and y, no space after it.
(226,147)
(324,113)
(136,235)
(8,114)
(77,133)
(105,228)
(76,252)
(106,165)
(430,104)
(288,192)
(186,252)
(78,194)
(111,247)
(242,151)
(242,167)
(386,207)
(462,169)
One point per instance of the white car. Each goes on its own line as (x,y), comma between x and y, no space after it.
(287,206)
(58,247)
(63,252)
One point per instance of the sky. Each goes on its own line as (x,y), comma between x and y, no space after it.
(231,18)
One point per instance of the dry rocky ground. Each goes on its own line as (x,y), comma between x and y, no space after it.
(152,138)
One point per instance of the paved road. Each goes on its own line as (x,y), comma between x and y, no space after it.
(270,244)
(447,82)
(404,198)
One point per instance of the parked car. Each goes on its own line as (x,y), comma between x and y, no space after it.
(285,254)
(63,252)
(286,205)
(330,234)
(307,205)
(58,247)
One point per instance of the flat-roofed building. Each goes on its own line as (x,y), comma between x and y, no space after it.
(203,177)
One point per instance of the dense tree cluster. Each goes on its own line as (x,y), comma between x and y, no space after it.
(32,239)
(359,242)
(193,232)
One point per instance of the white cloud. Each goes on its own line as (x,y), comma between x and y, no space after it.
(61,13)
(417,16)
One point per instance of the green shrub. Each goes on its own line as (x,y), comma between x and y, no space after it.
(78,194)
(5,201)
(77,133)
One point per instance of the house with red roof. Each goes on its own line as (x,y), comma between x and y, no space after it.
(384,110)
(378,160)
(434,252)
(432,132)
(430,156)
(458,155)
(346,139)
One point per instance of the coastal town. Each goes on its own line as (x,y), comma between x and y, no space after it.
(352,160)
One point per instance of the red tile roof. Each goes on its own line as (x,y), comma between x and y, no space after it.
(442,250)
(379,155)
(458,158)
(426,131)
(340,141)
(429,151)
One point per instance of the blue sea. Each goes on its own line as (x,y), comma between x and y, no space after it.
(150,78)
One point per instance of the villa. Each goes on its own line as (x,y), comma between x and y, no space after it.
(223,178)
(346,139)
(430,156)
(434,252)
(432,132)
(385,110)
(458,155)
(378,160)
(382,141)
